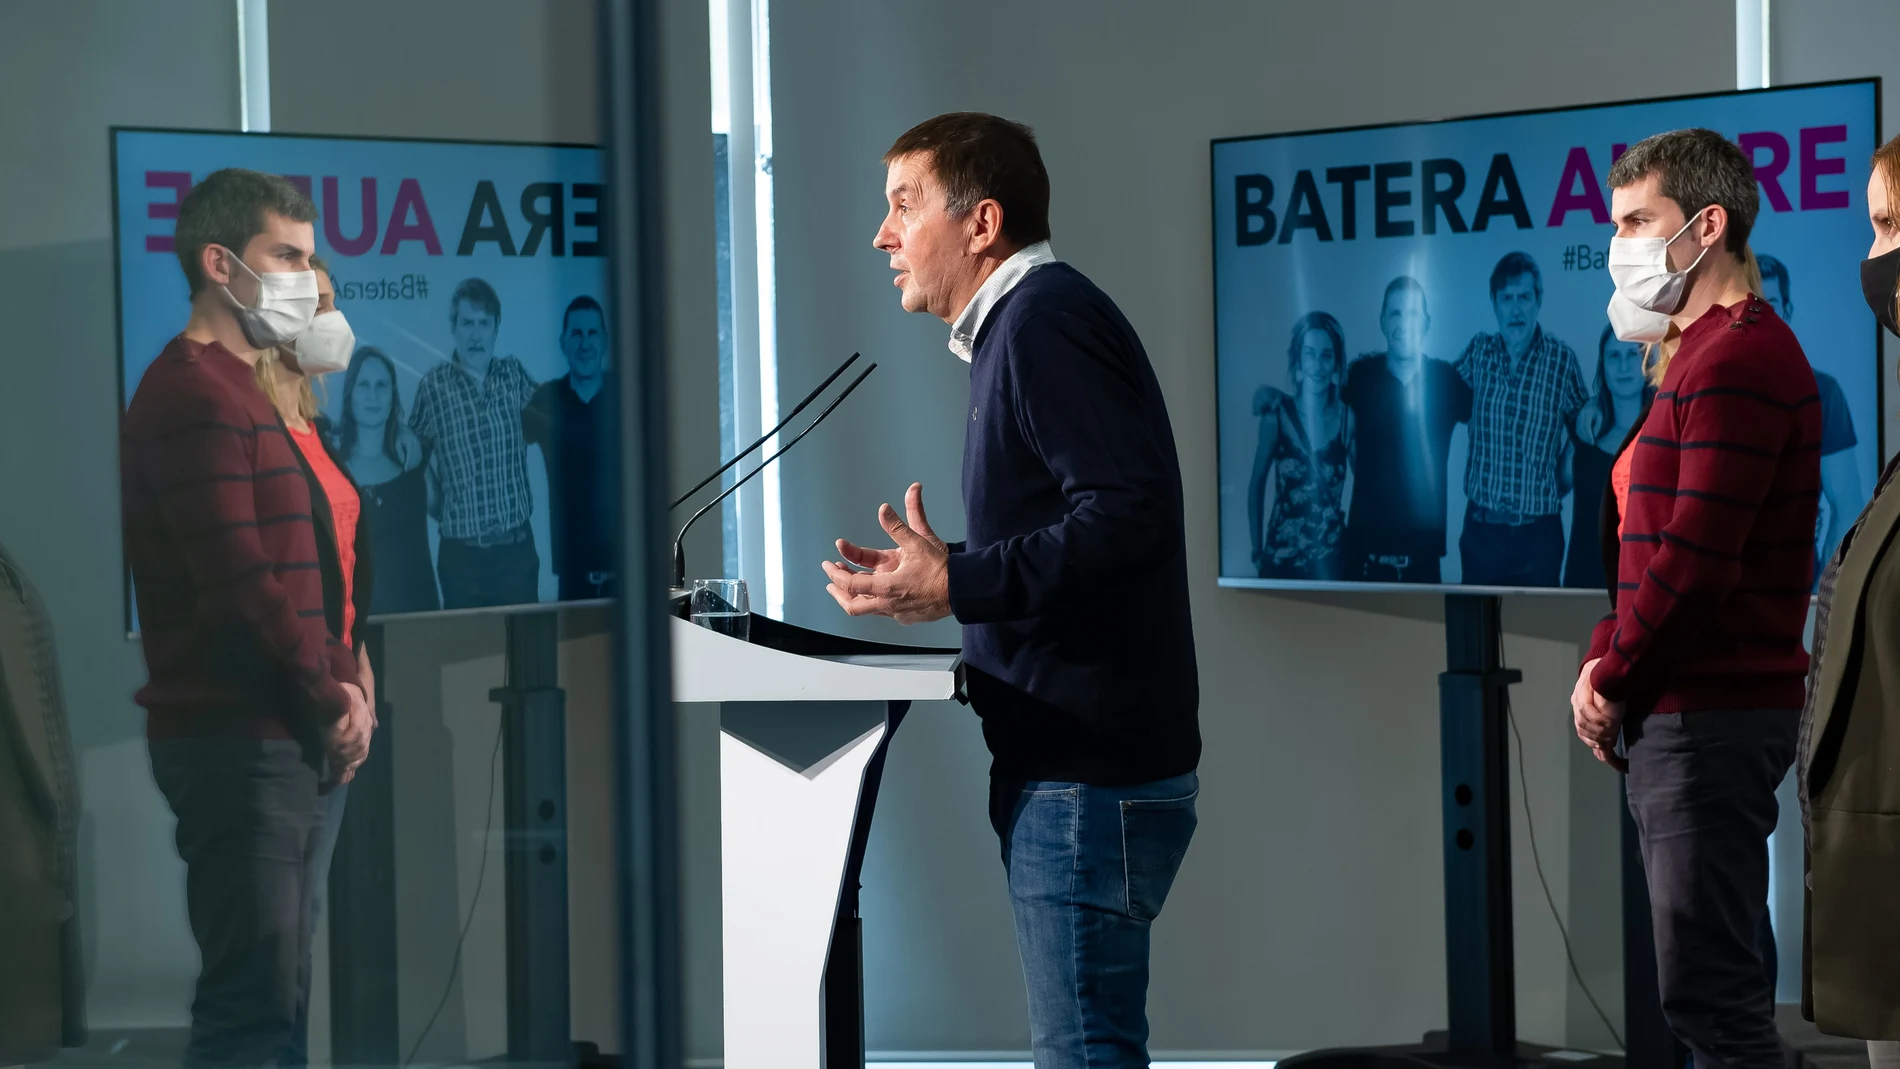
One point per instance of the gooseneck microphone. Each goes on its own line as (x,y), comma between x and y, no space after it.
(679,543)
(767,436)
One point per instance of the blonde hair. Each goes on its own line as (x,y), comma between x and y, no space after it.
(1655,362)
(1751,270)
(271,359)
(268,362)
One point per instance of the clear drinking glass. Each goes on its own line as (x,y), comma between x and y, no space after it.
(721,605)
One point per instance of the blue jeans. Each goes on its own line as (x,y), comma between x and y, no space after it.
(1088,869)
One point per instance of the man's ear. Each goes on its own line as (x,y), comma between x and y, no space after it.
(985,226)
(1714,225)
(215,263)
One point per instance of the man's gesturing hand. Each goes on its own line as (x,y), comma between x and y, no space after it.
(909,583)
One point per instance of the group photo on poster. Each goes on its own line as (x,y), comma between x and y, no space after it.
(462,285)
(1419,379)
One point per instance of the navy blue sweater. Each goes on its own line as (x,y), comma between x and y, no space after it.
(1072,588)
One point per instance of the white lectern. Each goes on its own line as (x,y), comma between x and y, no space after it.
(805,719)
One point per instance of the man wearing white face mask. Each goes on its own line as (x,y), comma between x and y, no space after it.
(1695,681)
(255,698)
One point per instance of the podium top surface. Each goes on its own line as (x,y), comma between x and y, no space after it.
(710,667)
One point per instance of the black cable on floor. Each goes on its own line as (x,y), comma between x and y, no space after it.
(1530,825)
(481,873)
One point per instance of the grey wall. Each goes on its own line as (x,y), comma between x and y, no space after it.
(71,70)
(1309,911)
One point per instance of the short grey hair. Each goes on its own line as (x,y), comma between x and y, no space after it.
(1697,168)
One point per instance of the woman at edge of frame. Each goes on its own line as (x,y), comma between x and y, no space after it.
(1850,730)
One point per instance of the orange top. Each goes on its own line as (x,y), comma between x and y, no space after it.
(1620,485)
(345,508)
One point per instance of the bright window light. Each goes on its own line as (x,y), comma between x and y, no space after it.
(768,303)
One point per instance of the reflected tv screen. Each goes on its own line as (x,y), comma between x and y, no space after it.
(474,414)
(1418,385)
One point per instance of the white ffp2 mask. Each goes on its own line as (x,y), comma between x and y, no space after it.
(1634,323)
(286,302)
(325,345)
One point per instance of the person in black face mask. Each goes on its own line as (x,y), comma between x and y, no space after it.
(1880,272)
(1850,730)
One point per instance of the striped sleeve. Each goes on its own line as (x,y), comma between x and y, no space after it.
(1600,637)
(1736,418)
(200,449)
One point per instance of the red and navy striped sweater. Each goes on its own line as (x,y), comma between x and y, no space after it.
(1717,549)
(220,532)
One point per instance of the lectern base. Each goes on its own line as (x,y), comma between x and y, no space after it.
(1433,1053)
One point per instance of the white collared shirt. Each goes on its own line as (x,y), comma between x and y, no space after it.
(964,331)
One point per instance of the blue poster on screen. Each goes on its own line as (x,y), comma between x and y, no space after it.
(1374,286)
(474,410)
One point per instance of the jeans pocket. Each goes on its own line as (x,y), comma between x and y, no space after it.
(1155,836)
(1040,834)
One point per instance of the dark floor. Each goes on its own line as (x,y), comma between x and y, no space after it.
(152,1048)
(123,1048)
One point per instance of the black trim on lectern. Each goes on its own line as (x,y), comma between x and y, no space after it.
(790,638)
(842,996)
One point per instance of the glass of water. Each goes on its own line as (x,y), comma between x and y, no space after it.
(721,605)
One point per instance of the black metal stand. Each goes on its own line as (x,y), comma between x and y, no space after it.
(1481,997)
(1473,702)
(363,966)
(534,818)
(362,897)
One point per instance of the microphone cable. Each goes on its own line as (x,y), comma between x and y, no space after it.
(1537,861)
(481,875)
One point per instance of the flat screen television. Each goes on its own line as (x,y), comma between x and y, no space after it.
(415,231)
(1366,279)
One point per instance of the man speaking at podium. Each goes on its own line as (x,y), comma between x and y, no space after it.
(1072,589)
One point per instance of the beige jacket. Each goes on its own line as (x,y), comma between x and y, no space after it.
(42,989)
(1848,763)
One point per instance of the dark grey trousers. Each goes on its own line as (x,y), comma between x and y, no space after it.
(254,835)
(1702,791)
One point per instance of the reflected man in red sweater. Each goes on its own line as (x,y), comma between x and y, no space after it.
(254,699)
(1694,682)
